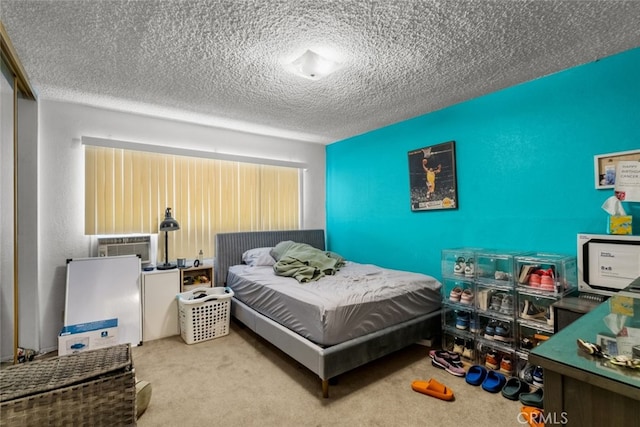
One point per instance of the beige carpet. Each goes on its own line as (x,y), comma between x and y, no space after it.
(241,380)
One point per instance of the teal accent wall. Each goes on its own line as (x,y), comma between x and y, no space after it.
(525,169)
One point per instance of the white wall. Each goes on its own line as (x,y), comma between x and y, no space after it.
(61,183)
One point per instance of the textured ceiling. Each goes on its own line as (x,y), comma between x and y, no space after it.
(224,63)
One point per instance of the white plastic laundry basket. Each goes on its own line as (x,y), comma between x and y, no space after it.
(205,313)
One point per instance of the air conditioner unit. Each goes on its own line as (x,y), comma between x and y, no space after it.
(126,245)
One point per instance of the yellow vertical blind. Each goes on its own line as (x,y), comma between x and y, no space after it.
(127,191)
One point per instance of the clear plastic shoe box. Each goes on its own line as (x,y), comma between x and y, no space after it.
(499,329)
(496,267)
(459,263)
(546,274)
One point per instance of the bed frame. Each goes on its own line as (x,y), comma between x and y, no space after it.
(326,362)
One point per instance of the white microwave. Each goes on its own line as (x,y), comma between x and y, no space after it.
(607,263)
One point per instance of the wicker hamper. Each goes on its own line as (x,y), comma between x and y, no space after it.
(92,388)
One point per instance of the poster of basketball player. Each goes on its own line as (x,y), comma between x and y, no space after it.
(432,177)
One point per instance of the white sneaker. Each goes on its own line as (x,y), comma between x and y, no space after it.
(469,269)
(458,269)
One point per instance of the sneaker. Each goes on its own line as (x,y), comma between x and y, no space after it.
(538,376)
(503,332)
(506,306)
(458,269)
(456,362)
(506,366)
(455,294)
(474,326)
(462,320)
(549,316)
(496,301)
(492,360)
(468,351)
(501,275)
(527,374)
(532,312)
(490,329)
(458,345)
(547,281)
(534,279)
(469,270)
(526,343)
(448,361)
(467,297)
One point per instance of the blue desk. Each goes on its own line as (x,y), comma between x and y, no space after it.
(581,389)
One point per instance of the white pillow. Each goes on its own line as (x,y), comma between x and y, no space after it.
(258,256)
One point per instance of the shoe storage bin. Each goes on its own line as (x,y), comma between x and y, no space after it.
(536,309)
(462,344)
(458,292)
(496,357)
(459,263)
(491,299)
(550,274)
(495,267)
(530,336)
(457,320)
(497,328)
(91,388)
(205,313)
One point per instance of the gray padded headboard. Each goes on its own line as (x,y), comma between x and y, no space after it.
(231,246)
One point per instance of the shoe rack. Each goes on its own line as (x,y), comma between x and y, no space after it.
(495,307)
(495,301)
(542,280)
(458,306)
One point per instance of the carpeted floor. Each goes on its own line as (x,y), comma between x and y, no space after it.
(241,380)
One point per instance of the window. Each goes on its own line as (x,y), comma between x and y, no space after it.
(127,192)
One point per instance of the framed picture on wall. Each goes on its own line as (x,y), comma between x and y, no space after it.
(605,167)
(432,177)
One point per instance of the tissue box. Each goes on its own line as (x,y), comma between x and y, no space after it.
(87,336)
(620,224)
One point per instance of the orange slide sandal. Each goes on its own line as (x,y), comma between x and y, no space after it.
(432,388)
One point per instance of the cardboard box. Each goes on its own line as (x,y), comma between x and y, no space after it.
(88,336)
(619,224)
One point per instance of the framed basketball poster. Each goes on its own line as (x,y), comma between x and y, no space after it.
(432,177)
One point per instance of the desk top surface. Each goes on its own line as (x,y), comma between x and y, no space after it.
(562,349)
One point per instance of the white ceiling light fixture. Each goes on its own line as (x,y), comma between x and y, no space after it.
(313,66)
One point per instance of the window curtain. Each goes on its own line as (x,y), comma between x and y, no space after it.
(127,192)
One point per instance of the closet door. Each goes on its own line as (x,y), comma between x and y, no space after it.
(7,219)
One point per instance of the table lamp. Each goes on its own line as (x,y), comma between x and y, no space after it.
(168,224)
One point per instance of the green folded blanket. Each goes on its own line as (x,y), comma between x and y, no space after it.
(304,262)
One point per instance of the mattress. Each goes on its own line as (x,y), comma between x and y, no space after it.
(357,300)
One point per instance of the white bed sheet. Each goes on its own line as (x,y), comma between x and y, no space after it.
(359,299)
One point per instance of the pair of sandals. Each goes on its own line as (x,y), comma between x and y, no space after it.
(596,350)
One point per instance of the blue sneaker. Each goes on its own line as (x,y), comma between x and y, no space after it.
(475,326)
(462,320)
(503,332)
(490,329)
(538,376)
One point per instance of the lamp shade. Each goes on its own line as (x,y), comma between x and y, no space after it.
(169,223)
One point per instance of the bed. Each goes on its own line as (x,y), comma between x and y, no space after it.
(325,350)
